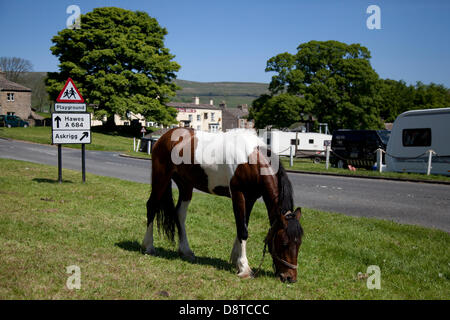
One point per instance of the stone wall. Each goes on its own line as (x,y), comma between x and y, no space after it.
(21,106)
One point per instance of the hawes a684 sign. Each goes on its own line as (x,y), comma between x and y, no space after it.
(69,125)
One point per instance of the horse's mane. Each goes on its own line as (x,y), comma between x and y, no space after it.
(286,203)
(285,192)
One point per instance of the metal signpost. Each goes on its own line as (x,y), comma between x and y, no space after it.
(71,124)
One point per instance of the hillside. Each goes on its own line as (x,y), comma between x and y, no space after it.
(233,93)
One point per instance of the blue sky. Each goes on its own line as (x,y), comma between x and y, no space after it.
(232,40)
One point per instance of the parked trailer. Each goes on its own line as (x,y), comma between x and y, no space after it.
(305,144)
(413,134)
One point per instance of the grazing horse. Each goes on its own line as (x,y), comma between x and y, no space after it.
(234,164)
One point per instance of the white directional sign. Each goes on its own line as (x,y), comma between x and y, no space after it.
(69,128)
(71,136)
(70,107)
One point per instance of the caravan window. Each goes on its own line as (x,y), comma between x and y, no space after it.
(420,137)
(295,142)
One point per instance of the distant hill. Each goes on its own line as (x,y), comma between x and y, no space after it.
(233,93)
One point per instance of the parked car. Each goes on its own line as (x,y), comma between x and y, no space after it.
(357,147)
(12,121)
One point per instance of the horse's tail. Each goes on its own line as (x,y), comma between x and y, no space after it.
(161,204)
(165,213)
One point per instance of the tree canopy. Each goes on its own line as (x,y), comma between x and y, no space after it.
(119,63)
(335,80)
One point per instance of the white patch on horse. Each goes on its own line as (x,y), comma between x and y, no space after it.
(219,154)
(239,258)
(147,244)
(183,246)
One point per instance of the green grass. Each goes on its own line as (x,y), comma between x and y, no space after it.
(99,225)
(43,135)
(308,165)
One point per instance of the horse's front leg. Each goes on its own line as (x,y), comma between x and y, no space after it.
(239,252)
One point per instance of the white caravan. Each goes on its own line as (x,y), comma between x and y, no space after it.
(413,134)
(306,144)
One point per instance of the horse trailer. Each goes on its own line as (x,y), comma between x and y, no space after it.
(305,144)
(414,134)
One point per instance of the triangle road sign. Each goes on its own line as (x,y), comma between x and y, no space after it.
(69,93)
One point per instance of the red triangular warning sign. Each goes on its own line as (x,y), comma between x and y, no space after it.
(69,93)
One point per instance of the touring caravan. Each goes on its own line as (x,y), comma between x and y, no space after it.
(413,134)
(306,144)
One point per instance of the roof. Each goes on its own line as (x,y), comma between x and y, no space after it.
(235,112)
(6,85)
(192,105)
(157,133)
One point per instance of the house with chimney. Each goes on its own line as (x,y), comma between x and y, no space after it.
(233,118)
(15,99)
(199,116)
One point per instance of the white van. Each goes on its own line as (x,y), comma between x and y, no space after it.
(306,144)
(413,134)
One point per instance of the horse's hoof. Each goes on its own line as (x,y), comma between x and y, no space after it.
(187,256)
(245,274)
(150,252)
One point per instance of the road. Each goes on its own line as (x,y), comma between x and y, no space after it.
(404,202)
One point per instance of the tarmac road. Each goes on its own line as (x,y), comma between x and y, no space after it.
(404,202)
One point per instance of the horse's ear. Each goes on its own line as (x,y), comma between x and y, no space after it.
(298,213)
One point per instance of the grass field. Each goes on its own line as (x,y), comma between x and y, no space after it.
(98,226)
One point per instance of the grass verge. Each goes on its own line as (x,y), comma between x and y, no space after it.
(98,226)
(308,165)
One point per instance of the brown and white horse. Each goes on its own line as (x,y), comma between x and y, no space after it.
(234,164)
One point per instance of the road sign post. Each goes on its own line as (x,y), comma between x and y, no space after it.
(71,124)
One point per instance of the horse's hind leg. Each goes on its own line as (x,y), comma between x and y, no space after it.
(147,243)
(181,212)
(153,205)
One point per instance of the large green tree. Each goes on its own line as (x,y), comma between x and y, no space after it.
(336,80)
(119,62)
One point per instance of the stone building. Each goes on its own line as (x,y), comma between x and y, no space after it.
(235,117)
(204,117)
(15,99)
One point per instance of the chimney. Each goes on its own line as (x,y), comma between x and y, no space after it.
(211,102)
(243,107)
(196,100)
(223,105)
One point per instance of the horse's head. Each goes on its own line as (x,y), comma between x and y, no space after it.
(284,240)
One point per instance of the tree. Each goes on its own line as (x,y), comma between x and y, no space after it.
(279,111)
(119,63)
(336,79)
(14,67)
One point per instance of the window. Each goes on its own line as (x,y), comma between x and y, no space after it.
(198,127)
(190,117)
(10,96)
(198,117)
(242,123)
(205,116)
(420,137)
(295,142)
(311,141)
(212,116)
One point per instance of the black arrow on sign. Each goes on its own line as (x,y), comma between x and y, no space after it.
(85,135)
(57,119)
